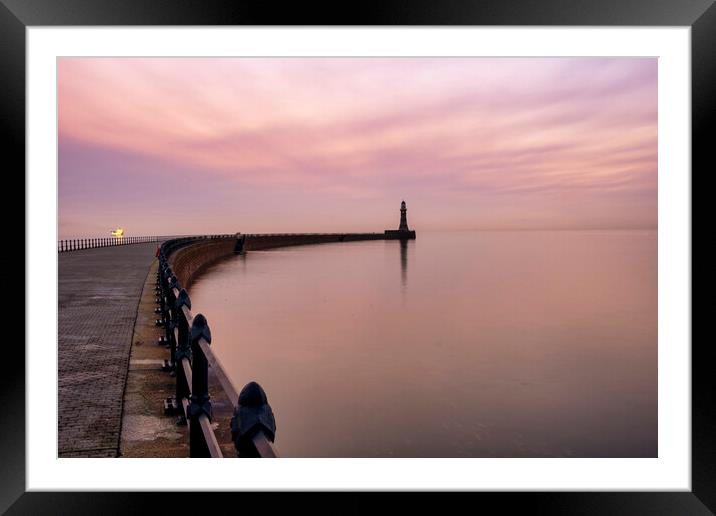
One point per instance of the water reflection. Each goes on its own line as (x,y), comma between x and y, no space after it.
(404,262)
(507,344)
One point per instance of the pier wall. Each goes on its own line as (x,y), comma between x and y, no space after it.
(187,261)
(255,242)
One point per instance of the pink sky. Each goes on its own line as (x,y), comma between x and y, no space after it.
(179,146)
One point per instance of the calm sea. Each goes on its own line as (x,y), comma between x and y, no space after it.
(463,344)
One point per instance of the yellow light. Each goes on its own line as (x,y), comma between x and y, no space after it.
(119,233)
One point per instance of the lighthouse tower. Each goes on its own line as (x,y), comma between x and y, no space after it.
(403,232)
(403,217)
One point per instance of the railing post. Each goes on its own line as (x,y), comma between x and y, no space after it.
(200,400)
(183,351)
(171,320)
(252,414)
(162,291)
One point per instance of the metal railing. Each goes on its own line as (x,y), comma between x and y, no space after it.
(77,244)
(188,338)
(90,243)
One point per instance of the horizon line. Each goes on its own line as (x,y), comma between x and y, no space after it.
(490,229)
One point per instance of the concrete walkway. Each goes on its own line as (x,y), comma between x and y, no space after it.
(146,430)
(99,291)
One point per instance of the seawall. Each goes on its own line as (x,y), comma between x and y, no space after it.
(188,261)
(144,432)
(255,242)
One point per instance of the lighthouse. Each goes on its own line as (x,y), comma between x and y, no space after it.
(403,217)
(403,232)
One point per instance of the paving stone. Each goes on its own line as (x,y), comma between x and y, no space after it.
(99,291)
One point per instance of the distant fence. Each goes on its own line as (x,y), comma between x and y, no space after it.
(188,338)
(78,244)
(90,243)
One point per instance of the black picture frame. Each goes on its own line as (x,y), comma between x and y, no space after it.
(700,15)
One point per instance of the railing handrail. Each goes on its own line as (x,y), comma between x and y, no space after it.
(189,335)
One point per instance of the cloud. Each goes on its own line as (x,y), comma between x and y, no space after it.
(366,128)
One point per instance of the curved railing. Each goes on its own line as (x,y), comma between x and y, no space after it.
(188,337)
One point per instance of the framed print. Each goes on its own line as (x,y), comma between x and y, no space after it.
(410,249)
